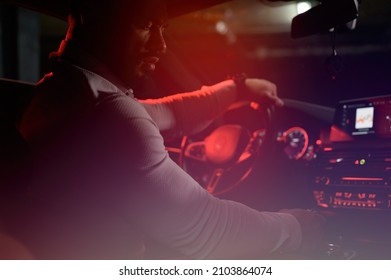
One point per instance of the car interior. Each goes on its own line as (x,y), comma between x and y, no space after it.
(327,149)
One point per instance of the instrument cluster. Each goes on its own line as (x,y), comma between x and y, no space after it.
(296,144)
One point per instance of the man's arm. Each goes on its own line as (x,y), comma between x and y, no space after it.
(189,113)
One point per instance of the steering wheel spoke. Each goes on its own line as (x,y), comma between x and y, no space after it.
(214,180)
(196,151)
(254,145)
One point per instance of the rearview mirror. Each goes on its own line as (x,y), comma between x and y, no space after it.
(327,15)
(323,17)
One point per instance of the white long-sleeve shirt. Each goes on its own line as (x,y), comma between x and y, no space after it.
(99,151)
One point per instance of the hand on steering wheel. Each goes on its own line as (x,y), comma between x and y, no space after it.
(261,91)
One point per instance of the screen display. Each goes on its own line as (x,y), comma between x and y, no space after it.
(363,118)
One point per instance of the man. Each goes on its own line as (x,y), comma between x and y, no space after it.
(104,183)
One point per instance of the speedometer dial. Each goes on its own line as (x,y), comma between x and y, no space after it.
(296,142)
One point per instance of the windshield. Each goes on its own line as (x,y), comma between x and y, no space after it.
(254,37)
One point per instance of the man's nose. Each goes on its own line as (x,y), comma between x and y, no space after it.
(157,43)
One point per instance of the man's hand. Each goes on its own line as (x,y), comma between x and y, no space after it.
(312,229)
(263,91)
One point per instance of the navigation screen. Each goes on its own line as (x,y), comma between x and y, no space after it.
(364,118)
(370,117)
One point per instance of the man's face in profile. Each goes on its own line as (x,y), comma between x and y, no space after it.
(133,36)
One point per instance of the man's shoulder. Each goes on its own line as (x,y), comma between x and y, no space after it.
(122,108)
(62,82)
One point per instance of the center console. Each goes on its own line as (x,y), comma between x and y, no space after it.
(353,170)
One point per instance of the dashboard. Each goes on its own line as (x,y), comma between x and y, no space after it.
(345,154)
(346,151)
(354,165)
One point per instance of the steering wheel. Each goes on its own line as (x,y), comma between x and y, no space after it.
(224,155)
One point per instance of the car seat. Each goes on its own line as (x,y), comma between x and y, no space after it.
(14,161)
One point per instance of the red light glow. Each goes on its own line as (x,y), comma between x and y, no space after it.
(361,179)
